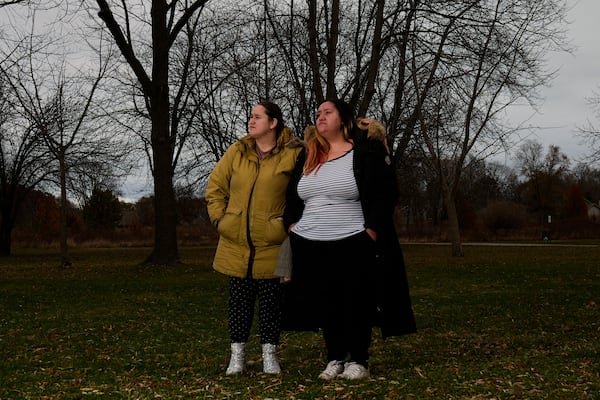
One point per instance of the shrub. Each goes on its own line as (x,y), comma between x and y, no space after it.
(503,216)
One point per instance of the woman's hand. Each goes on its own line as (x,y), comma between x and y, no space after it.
(291,227)
(372,234)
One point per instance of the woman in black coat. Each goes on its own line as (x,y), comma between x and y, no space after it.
(348,267)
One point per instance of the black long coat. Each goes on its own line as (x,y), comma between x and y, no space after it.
(376,181)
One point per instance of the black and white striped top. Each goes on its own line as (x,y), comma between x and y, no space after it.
(332,209)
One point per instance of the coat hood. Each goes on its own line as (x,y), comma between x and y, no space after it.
(286,139)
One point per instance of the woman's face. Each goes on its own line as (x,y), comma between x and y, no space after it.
(329,121)
(260,124)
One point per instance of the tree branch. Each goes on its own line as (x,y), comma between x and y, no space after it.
(113,26)
(9,2)
(184,19)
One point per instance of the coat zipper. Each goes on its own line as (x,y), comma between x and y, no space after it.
(248,235)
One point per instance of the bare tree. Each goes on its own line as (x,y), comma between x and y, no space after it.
(56,100)
(78,145)
(24,162)
(545,177)
(589,179)
(530,158)
(166,20)
(493,57)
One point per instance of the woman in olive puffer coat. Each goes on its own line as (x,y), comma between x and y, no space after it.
(246,200)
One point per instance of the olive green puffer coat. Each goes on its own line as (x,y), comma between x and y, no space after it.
(246,199)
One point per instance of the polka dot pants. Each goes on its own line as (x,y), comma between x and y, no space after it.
(242,297)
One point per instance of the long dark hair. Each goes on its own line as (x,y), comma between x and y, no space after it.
(274,112)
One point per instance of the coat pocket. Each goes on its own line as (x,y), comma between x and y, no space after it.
(274,231)
(229,225)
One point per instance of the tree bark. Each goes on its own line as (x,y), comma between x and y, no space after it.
(165,233)
(6,227)
(313,52)
(453,226)
(64,249)
(373,69)
(332,45)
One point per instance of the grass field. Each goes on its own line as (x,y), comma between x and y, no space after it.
(504,322)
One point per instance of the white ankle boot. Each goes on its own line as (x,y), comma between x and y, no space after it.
(237,360)
(270,361)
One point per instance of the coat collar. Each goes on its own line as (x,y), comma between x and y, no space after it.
(285,139)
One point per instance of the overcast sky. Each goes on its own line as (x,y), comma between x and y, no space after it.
(564,107)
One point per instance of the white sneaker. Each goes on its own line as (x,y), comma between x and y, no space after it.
(353,370)
(270,360)
(237,360)
(333,369)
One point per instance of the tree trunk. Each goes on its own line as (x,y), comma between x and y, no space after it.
(373,68)
(5,237)
(64,249)
(165,234)
(165,217)
(453,226)
(313,52)
(332,44)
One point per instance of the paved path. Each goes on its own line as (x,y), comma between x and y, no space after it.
(506,244)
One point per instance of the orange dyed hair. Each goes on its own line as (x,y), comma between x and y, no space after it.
(317,149)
